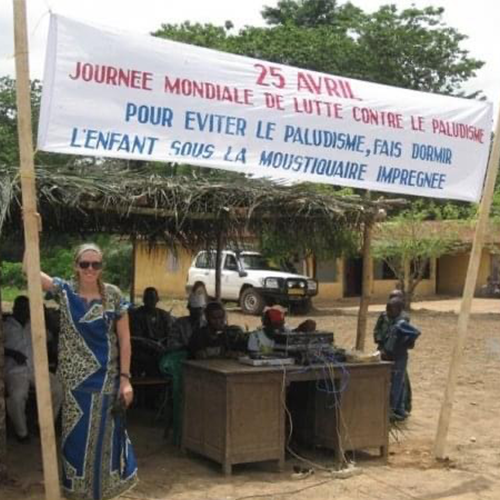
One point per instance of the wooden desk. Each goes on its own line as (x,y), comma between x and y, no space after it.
(234,413)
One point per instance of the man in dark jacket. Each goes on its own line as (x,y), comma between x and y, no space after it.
(151,322)
(395,337)
(185,326)
(216,339)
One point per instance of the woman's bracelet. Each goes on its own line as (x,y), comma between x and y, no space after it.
(125,375)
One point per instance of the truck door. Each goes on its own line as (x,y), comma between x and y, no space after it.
(230,279)
(204,271)
(210,274)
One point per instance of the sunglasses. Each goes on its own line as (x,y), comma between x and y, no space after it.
(84,264)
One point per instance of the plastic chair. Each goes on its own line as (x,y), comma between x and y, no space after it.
(171,365)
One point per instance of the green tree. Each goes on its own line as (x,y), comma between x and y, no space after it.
(411,48)
(9,146)
(415,50)
(408,244)
(309,14)
(9,151)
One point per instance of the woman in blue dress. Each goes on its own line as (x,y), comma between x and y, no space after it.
(98,461)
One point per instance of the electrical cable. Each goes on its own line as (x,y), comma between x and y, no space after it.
(328,367)
(290,432)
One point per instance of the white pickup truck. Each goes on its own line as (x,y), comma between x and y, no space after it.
(249,279)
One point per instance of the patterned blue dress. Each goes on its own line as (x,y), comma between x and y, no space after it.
(98,461)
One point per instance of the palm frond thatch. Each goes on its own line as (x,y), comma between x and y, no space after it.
(186,211)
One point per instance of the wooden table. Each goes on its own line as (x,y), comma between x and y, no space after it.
(234,413)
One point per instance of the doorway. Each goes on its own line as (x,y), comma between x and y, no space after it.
(353,277)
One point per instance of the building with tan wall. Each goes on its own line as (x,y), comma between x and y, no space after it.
(167,271)
(161,267)
(342,278)
(452,270)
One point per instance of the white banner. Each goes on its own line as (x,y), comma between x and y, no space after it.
(123,95)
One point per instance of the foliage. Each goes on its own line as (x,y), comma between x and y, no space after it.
(58,261)
(11,275)
(9,153)
(307,14)
(118,261)
(188,212)
(407,244)
(440,210)
(411,48)
(9,150)
(10,293)
(286,246)
(57,254)
(495,204)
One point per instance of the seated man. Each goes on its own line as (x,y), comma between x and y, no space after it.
(149,321)
(184,327)
(216,339)
(19,370)
(399,336)
(273,321)
(261,341)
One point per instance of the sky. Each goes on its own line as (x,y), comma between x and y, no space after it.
(474,19)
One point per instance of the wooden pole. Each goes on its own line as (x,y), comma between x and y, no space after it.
(406,281)
(367,279)
(366,287)
(468,293)
(218,264)
(31,238)
(133,270)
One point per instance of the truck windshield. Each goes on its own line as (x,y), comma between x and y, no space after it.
(257,262)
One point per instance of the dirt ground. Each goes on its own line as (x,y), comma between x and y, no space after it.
(471,472)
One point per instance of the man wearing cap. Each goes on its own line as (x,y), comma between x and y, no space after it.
(262,341)
(273,321)
(185,326)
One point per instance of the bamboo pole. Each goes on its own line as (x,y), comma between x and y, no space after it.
(468,293)
(31,238)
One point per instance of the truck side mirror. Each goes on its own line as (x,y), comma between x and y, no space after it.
(242,274)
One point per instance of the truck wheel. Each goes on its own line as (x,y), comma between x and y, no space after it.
(251,301)
(199,289)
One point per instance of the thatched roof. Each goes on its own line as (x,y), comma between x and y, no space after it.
(189,211)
